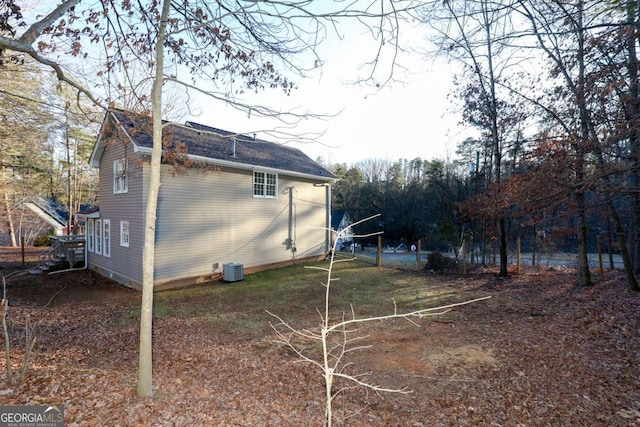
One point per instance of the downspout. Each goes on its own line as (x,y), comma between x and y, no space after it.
(327,239)
(290,239)
(328,235)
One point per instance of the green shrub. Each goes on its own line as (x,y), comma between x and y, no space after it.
(44,239)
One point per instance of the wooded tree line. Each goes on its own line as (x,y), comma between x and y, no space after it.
(437,201)
(416,199)
(552,88)
(45,144)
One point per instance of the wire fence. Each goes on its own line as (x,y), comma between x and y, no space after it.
(414,260)
(388,258)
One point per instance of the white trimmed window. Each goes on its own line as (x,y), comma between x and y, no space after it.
(124,233)
(106,238)
(98,228)
(120,184)
(90,227)
(265,184)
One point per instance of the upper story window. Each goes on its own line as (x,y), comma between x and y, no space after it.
(265,184)
(120,182)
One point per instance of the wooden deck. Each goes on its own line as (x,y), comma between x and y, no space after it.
(65,251)
(69,248)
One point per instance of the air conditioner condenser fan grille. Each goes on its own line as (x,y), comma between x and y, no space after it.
(232,272)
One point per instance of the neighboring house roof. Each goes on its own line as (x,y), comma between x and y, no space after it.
(336,218)
(341,223)
(217,146)
(48,210)
(89,212)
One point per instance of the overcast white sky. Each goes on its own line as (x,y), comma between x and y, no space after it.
(402,121)
(407,119)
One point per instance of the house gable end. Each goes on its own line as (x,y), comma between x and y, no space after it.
(109,124)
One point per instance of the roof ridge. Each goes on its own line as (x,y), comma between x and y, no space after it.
(244,137)
(208,142)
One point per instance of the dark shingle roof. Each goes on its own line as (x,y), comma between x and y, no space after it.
(50,207)
(217,144)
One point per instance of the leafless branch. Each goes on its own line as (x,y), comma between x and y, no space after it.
(333,364)
(38,27)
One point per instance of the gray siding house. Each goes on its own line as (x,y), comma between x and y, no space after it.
(233,199)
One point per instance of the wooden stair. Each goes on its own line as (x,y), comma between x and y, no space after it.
(64,249)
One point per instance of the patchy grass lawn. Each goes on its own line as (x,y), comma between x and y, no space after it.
(540,352)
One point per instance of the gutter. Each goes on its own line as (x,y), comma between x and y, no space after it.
(244,166)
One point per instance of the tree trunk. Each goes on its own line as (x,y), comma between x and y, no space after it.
(582,146)
(69,173)
(145,361)
(534,246)
(584,275)
(495,140)
(626,259)
(503,247)
(9,217)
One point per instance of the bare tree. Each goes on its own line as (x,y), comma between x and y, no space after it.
(30,339)
(478,34)
(25,127)
(340,337)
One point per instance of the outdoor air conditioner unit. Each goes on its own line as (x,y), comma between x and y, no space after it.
(232,272)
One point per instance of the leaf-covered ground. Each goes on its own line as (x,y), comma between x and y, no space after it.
(540,352)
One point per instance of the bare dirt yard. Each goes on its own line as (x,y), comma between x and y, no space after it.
(539,352)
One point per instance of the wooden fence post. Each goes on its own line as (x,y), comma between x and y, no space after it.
(379,253)
(518,249)
(22,246)
(418,254)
